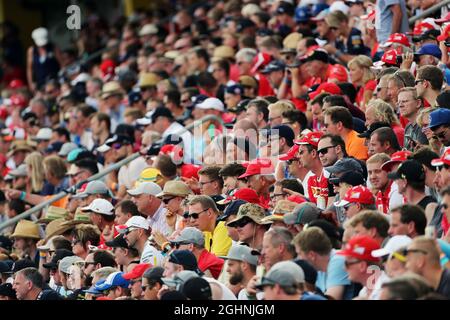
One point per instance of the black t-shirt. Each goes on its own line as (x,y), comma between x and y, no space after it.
(444,284)
(425,201)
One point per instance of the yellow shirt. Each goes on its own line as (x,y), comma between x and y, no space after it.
(354,146)
(218,242)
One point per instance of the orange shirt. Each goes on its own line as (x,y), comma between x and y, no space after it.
(354,146)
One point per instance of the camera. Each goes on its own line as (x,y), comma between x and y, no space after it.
(447,43)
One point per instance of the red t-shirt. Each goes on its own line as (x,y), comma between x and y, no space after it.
(265,89)
(318,187)
(318,80)
(399,132)
(369,86)
(208,261)
(234,72)
(264,201)
(382,200)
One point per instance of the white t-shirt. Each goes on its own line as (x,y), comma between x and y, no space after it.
(395,198)
(128,174)
(375,294)
(227,294)
(151,255)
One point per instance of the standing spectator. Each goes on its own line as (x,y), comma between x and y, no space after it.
(392,17)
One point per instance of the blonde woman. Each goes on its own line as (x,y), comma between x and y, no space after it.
(381,111)
(363,79)
(35,170)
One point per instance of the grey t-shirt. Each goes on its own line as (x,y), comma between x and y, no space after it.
(384,18)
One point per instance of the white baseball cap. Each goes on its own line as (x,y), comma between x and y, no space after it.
(211,103)
(40,36)
(43,134)
(136,222)
(145,188)
(339,5)
(394,244)
(100,206)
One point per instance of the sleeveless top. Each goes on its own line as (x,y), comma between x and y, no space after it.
(46,67)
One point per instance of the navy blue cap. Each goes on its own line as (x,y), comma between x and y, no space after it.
(22,264)
(264,32)
(302,14)
(352,178)
(243,24)
(6,266)
(232,208)
(161,112)
(285,8)
(54,147)
(198,99)
(7,290)
(430,49)
(119,138)
(374,126)
(134,96)
(439,117)
(283,131)
(5,243)
(185,258)
(234,89)
(275,65)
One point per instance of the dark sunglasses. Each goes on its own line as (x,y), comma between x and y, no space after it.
(242,223)
(196,214)
(349,263)
(167,200)
(289,162)
(324,150)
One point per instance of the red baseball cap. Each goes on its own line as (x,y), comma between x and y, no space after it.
(137,271)
(18,100)
(328,87)
(296,199)
(399,38)
(258,166)
(445,159)
(16,84)
(444,33)
(107,67)
(396,157)
(360,247)
(311,138)
(358,194)
(175,152)
(339,73)
(425,25)
(390,57)
(290,154)
(245,194)
(261,60)
(190,171)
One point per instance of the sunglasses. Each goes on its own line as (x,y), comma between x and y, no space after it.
(408,251)
(167,200)
(242,223)
(181,243)
(117,146)
(349,263)
(324,151)
(441,135)
(195,215)
(289,162)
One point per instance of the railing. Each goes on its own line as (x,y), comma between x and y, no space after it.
(429,11)
(101,174)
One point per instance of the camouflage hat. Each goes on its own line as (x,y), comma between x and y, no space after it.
(250,210)
(282,208)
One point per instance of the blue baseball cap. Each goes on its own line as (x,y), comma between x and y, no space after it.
(234,89)
(302,14)
(115,279)
(92,289)
(275,65)
(134,96)
(318,8)
(430,49)
(54,147)
(439,117)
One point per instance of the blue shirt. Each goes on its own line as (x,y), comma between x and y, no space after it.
(335,276)
(384,18)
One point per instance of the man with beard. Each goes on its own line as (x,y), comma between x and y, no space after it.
(241,267)
(136,233)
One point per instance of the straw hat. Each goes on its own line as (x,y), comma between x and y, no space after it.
(148,79)
(224,52)
(110,89)
(175,188)
(19,145)
(54,228)
(26,229)
(53,213)
(79,217)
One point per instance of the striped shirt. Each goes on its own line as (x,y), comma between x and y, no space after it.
(158,221)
